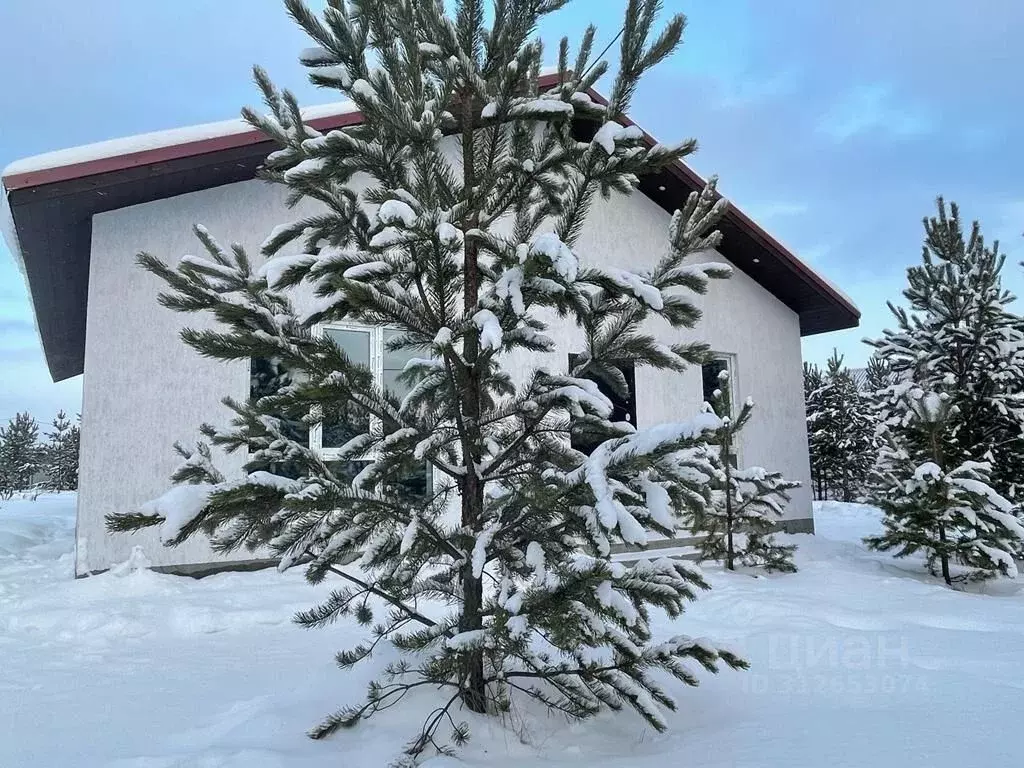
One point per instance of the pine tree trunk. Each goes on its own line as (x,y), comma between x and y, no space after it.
(943,555)
(940,459)
(729,556)
(474,694)
(728,538)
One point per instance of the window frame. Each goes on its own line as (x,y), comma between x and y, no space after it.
(730,360)
(376,363)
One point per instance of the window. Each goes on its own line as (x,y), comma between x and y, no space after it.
(268,377)
(367,346)
(623,409)
(356,346)
(709,373)
(710,382)
(393,363)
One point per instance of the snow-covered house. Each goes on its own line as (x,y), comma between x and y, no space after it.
(77,218)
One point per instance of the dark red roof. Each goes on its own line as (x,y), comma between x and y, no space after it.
(52,207)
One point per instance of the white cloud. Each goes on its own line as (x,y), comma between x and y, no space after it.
(875,109)
(769,210)
(743,90)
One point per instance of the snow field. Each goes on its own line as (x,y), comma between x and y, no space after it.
(856,660)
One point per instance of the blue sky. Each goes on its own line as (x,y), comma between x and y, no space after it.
(834,125)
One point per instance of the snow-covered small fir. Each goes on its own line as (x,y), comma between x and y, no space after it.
(952,410)
(21,454)
(959,334)
(841,430)
(60,454)
(737,527)
(878,376)
(460,262)
(936,504)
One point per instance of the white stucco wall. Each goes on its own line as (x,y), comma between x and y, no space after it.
(144,390)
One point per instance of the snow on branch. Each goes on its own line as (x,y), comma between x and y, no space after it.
(563,261)
(597,471)
(609,134)
(490,329)
(178,507)
(396,212)
(636,284)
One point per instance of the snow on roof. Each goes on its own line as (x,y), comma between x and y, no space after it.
(160,146)
(842,294)
(10,234)
(128,145)
(169,138)
(157,140)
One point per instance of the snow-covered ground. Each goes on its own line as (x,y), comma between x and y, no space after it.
(857,661)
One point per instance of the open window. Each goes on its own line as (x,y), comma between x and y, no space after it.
(623,408)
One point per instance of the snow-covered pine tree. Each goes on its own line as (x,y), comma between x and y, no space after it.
(958,334)
(60,454)
(738,527)
(877,376)
(20,453)
(932,501)
(840,430)
(813,381)
(843,430)
(449,217)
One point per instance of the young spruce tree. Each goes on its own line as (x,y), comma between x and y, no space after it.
(933,502)
(738,527)
(959,335)
(875,391)
(841,428)
(21,456)
(60,454)
(816,449)
(877,376)
(450,215)
(952,410)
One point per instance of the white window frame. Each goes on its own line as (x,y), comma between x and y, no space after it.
(734,389)
(376,363)
(730,365)
(376,334)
